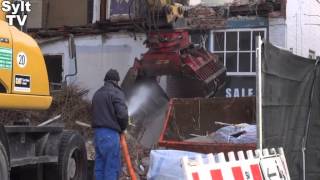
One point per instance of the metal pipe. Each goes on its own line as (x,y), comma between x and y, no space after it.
(259,91)
(72,55)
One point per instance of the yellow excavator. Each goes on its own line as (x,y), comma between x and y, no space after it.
(58,154)
(23,75)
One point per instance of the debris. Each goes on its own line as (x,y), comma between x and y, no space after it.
(188,117)
(83,124)
(236,134)
(205,18)
(49,121)
(139,156)
(127,157)
(223,124)
(90,150)
(68,104)
(141,168)
(145,161)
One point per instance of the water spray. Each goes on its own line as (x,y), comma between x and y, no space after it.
(139,97)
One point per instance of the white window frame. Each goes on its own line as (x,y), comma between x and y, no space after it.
(238,50)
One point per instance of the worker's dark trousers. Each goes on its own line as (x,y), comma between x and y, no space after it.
(108,155)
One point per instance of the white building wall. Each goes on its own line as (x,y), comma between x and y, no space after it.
(311,30)
(303,31)
(96,11)
(277,32)
(96,55)
(58,48)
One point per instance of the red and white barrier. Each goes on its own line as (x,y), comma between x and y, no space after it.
(270,165)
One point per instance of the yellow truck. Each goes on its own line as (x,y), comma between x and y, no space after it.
(58,154)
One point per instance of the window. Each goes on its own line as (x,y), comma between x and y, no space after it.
(312,54)
(55,71)
(236,49)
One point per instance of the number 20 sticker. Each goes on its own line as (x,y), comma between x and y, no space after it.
(22,59)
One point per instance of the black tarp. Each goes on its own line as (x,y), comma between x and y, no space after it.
(291,109)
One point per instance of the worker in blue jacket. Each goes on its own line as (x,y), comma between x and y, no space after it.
(110,119)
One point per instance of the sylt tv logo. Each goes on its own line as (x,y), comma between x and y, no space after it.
(17,10)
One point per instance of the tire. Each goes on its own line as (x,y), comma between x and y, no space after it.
(4,164)
(72,158)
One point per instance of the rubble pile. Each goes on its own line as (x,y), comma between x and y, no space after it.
(205,17)
(67,102)
(139,158)
(202,12)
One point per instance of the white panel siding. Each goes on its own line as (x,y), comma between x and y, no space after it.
(277,32)
(311,30)
(301,34)
(96,55)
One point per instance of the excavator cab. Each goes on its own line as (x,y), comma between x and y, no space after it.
(23,74)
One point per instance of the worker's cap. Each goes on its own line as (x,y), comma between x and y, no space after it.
(112,75)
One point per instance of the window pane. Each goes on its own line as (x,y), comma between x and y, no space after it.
(244,62)
(244,41)
(218,41)
(220,56)
(231,41)
(231,62)
(196,38)
(254,34)
(253,62)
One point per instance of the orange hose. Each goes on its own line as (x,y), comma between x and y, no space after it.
(127,157)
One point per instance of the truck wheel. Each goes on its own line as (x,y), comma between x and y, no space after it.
(4,165)
(72,160)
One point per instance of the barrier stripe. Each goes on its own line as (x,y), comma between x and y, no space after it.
(216,174)
(237,173)
(195,176)
(256,173)
(255,167)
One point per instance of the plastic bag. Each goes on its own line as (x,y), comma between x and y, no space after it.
(238,134)
(166,164)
